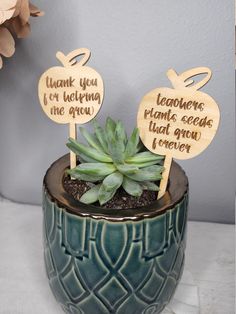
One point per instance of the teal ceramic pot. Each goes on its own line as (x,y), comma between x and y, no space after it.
(102,261)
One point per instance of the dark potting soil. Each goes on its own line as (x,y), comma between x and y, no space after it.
(121,200)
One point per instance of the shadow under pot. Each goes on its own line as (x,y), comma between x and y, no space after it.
(113,261)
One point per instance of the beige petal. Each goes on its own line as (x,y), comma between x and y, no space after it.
(20,30)
(24,14)
(1,63)
(34,11)
(7,43)
(8,25)
(7,4)
(25,31)
(17,8)
(6,15)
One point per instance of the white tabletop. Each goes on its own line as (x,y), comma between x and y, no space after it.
(207,286)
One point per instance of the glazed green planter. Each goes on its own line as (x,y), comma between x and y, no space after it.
(102,261)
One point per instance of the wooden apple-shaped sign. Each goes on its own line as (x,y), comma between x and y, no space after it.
(71,93)
(179,122)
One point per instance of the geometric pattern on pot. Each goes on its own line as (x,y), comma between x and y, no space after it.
(99,266)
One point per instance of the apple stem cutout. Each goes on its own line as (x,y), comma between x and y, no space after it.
(180,122)
(72,93)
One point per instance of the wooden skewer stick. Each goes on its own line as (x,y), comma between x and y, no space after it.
(73,134)
(165,176)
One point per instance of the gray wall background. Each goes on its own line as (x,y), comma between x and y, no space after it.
(133,44)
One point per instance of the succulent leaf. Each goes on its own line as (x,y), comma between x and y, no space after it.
(121,134)
(116,153)
(97,169)
(144,164)
(110,125)
(151,186)
(113,181)
(140,147)
(101,136)
(144,157)
(151,173)
(91,139)
(116,146)
(84,177)
(120,138)
(78,148)
(132,187)
(91,196)
(83,158)
(127,169)
(104,196)
(132,144)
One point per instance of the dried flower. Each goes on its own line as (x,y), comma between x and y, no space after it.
(7,9)
(14,20)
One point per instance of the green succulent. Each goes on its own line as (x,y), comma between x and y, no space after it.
(112,160)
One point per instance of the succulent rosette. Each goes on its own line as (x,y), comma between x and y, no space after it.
(112,160)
